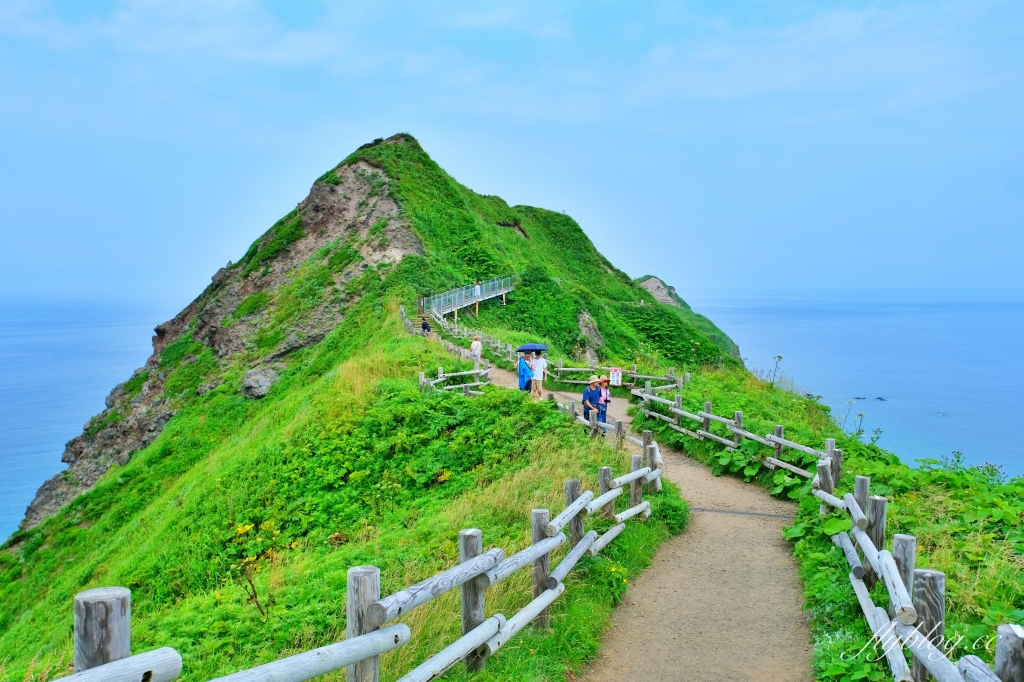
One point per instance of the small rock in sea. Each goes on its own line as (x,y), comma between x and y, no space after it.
(859,397)
(882,399)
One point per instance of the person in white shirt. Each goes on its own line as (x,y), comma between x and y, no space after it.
(540,368)
(476,348)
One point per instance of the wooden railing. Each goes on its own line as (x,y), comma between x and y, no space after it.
(107,610)
(916,615)
(477,379)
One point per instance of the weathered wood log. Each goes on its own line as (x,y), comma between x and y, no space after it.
(655,399)
(634,440)
(443,660)
(573,493)
(569,562)
(737,423)
(975,670)
(842,541)
(361,591)
(776,443)
(882,630)
(630,477)
(931,657)
(683,413)
(829,499)
(778,440)
(636,489)
(606,501)
(866,546)
(861,491)
(837,466)
(856,513)
(620,435)
(406,600)
(789,467)
(320,661)
(541,565)
(930,602)
(688,432)
(875,512)
(607,537)
(604,482)
(521,620)
(714,417)
(569,513)
(825,482)
(594,430)
(724,441)
(704,418)
(102,631)
(518,560)
(159,665)
(658,415)
(653,477)
(902,606)
(1010,653)
(904,553)
(642,508)
(470,546)
(652,463)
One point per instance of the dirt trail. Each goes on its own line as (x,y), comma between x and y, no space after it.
(722,601)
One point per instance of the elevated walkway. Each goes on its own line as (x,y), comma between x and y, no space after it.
(451,301)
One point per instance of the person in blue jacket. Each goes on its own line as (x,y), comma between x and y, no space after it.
(591,396)
(525,373)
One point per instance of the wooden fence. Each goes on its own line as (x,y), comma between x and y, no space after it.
(915,618)
(102,616)
(477,379)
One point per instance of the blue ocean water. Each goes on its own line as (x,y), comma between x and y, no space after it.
(58,361)
(949,366)
(947,363)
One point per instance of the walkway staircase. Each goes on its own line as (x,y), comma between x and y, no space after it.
(451,301)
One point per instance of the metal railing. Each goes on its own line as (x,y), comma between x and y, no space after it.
(460,298)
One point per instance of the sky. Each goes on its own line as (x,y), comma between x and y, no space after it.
(719,145)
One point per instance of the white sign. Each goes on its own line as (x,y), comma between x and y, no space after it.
(615,376)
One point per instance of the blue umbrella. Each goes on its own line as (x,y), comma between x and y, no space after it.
(531,347)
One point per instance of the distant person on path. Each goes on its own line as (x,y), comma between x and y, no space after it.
(476,348)
(476,291)
(591,396)
(425,327)
(525,373)
(604,401)
(540,368)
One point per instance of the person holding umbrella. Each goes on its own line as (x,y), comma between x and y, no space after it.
(525,372)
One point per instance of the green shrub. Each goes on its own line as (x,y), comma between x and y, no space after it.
(252,304)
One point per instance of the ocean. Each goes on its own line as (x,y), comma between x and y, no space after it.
(948,366)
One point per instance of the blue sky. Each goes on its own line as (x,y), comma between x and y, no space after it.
(144,143)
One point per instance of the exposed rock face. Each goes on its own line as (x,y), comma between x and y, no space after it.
(354,209)
(662,292)
(257,382)
(588,328)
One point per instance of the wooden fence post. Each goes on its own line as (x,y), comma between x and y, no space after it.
(738,418)
(825,482)
(904,553)
(573,489)
(686,378)
(362,589)
(780,432)
(102,626)
(647,388)
(471,545)
(930,604)
(604,483)
(593,424)
(652,462)
(707,421)
(541,565)
(620,435)
(837,465)
(465,391)
(423,381)
(1010,653)
(876,531)
(861,490)
(647,437)
(636,495)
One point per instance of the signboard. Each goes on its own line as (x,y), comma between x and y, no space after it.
(615,376)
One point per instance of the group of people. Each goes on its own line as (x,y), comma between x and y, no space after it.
(533,369)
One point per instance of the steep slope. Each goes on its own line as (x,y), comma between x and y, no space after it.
(390,223)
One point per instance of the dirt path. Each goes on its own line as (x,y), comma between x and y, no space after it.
(722,601)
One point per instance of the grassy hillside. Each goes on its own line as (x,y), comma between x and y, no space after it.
(235,526)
